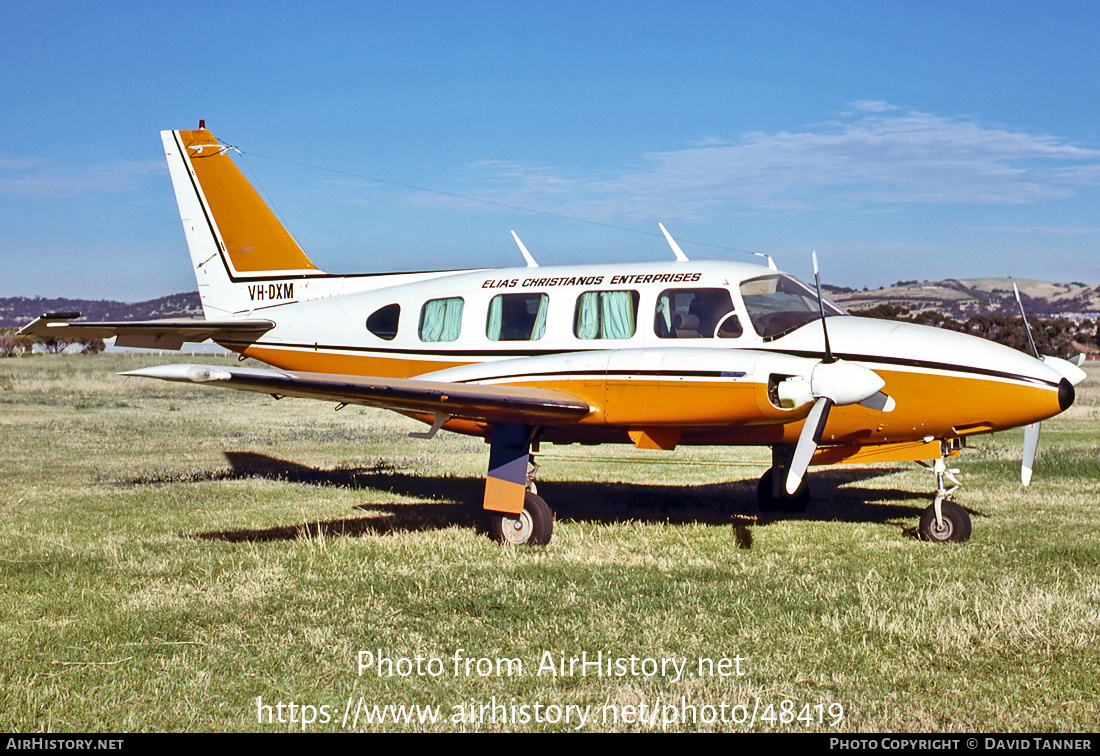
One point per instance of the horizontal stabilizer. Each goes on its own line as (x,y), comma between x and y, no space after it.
(149,334)
(493,404)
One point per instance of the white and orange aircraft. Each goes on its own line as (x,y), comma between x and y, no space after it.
(655,354)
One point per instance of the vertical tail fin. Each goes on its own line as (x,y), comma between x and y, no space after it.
(242,256)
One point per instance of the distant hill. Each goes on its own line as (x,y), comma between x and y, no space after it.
(959,299)
(18,311)
(962,299)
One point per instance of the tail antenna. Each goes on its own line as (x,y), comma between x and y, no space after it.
(679,253)
(523,251)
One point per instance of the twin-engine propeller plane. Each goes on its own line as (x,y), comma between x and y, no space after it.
(656,355)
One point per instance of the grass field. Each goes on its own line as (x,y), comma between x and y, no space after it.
(176,559)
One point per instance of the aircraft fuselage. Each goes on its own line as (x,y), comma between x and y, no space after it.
(691,346)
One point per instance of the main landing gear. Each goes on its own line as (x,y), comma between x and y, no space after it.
(771,492)
(773,497)
(531,527)
(517,514)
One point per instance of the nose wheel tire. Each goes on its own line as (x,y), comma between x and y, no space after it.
(531,527)
(954,528)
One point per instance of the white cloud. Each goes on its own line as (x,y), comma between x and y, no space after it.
(874,155)
(872,106)
(1069,231)
(29,177)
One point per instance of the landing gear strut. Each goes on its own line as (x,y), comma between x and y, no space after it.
(517,514)
(944,521)
(771,494)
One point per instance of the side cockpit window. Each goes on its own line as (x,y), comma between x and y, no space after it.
(383,321)
(606,315)
(696,314)
(517,317)
(778,304)
(441,319)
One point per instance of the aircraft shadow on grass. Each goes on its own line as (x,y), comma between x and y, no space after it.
(454,501)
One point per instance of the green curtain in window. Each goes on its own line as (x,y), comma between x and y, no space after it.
(441,320)
(618,314)
(492,328)
(431,320)
(588,316)
(452,319)
(540,319)
(605,315)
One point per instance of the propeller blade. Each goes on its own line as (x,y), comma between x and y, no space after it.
(807,443)
(1069,369)
(1027,326)
(821,309)
(832,381)
(1031,443)
(880,402)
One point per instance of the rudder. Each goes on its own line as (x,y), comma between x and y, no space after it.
(234,238)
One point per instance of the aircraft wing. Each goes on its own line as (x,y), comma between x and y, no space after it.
(150,334)
(499,404)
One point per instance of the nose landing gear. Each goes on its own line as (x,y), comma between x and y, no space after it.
(944,521)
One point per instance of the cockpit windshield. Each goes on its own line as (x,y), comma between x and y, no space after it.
(778,304)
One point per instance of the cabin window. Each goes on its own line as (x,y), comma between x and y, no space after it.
(778,304)
(517,317)
(606,315)
(441,319)
(383,321)
(696,314)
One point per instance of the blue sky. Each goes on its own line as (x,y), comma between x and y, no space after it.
(900,140)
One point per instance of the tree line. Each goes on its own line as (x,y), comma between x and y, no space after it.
(14,345)
(1058,337)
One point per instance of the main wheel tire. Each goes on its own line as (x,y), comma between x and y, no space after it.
(783,503)
(531,527)
(955,527)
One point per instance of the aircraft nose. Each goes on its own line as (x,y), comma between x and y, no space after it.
(1066,394)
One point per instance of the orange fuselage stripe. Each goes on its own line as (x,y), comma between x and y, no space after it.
(928,404)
